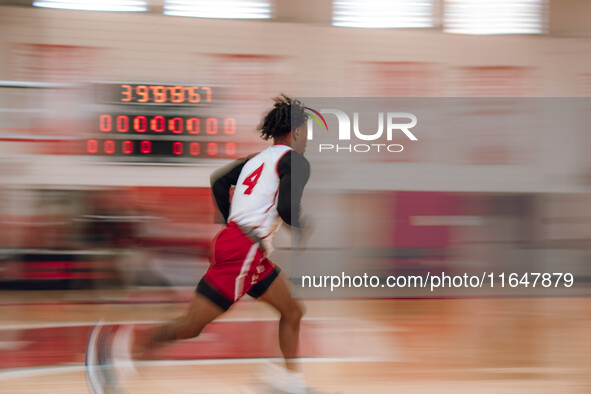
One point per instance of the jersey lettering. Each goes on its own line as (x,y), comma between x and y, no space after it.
(252,179)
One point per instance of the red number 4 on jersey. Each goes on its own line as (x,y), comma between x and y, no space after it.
(252,179)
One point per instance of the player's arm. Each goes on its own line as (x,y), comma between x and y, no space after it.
(294,172)
(222,181)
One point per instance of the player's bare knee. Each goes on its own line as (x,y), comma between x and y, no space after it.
(189,329)
(294,313)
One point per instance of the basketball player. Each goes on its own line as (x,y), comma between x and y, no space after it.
(268,189)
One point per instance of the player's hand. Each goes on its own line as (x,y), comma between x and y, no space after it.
(307,228)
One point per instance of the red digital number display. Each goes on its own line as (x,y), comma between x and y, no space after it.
(163,94)
(138,121)
(166,124)
(151,148)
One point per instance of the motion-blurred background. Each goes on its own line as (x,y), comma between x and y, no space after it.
(82,92)
(114,113)
(82,200)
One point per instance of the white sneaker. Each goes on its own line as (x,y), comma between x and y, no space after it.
(276,379)
(99,362)
(121,353)
(91,361)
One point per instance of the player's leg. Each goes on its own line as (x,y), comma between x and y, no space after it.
(112,350)
(278,295)
(210,301)
(202,311)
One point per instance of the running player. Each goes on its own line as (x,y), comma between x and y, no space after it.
(268,189)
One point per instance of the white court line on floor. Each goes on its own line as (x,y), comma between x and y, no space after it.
(55,370)
(40,371)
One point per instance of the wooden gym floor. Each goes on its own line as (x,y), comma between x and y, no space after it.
(519,345)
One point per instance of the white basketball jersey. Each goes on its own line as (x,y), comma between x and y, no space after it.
(254,203)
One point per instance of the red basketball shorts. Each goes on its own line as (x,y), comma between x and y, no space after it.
(237,267)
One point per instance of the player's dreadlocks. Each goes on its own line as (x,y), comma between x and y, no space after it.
(286,112)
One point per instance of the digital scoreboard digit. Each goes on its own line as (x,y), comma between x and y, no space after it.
(150,147)
(165,124)
(162,94)
(157,122)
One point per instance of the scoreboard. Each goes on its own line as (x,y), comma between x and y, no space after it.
(159,123)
